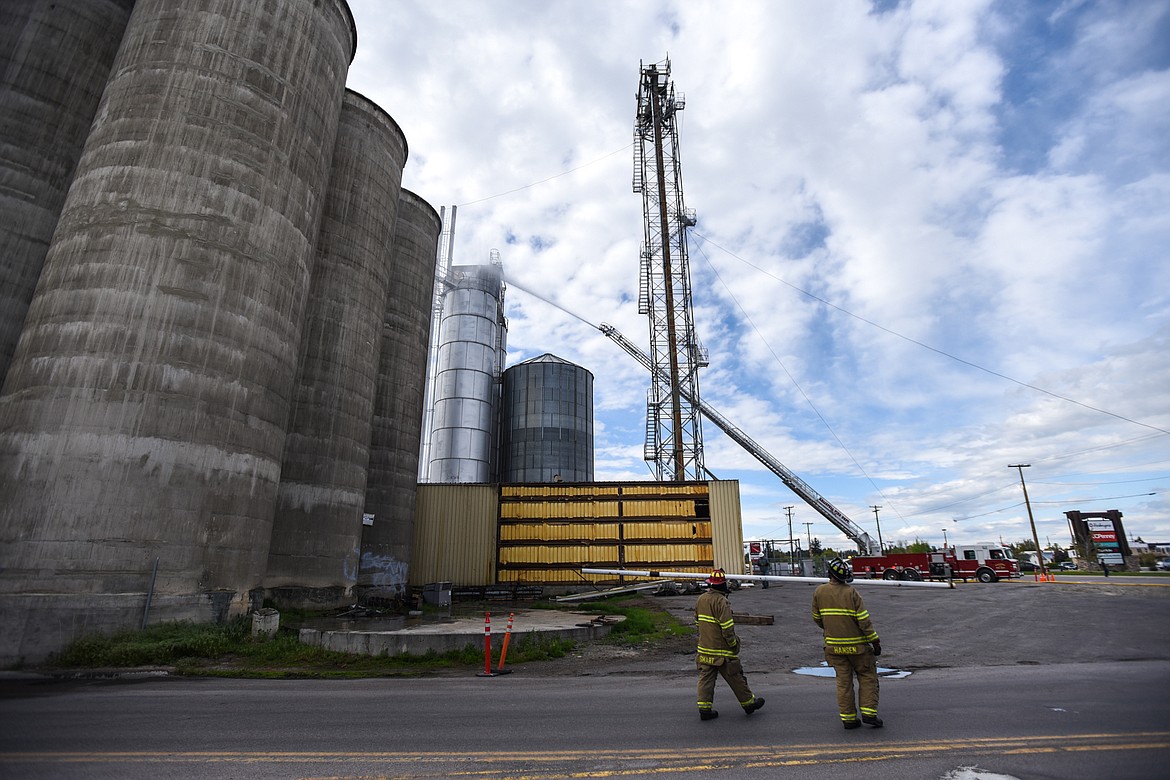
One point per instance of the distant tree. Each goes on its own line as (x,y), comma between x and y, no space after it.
(902,546)
(815,547)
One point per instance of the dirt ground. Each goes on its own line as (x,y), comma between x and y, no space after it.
(975,624)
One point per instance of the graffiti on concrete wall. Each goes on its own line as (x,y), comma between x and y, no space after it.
(385,572)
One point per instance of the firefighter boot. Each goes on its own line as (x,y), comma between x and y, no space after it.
(756,704)
(872,720)
(851,724)
(708,714)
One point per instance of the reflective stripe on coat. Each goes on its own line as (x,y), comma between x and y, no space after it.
(838,609)
(717,639)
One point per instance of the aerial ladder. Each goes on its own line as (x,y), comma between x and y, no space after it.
(865,543)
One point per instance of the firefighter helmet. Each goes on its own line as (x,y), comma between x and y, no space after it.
(840,570)
(718,577)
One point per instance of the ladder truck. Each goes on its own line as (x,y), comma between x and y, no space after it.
(866,545)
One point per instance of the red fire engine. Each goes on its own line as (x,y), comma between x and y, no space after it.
(983,562)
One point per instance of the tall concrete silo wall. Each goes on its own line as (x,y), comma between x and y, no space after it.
(546,422)
(317,528)
(467,379)
(145,409)
(54,61)
(398,416)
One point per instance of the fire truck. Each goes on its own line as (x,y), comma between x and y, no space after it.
(983,562)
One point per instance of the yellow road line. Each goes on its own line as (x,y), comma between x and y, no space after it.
(671,760)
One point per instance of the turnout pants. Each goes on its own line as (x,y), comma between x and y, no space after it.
(863,666)
(732,671)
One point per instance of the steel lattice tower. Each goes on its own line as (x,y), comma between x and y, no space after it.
(674,438)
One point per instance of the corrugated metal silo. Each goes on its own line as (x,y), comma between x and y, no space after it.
(317,527)
(546,422)
(472,337)
(147,400)
(54,61)
(398,414)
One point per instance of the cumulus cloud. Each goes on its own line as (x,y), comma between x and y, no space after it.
(907,215)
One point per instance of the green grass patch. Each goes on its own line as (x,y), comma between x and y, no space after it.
(229,650)
(642,624)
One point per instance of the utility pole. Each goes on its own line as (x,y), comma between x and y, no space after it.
(1039,553)
(808,530)
(881,545)
(791,547)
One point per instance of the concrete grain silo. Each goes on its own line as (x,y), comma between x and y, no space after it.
(398,413)
(472,338)
(145,408)
(54,61)
(546,422)
(317,526)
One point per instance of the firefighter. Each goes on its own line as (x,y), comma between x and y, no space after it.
(851,644)
(718,649)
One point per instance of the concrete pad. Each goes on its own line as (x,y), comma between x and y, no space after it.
(446,635)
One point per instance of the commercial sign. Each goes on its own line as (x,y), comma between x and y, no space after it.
(1099,531)
(1104,536)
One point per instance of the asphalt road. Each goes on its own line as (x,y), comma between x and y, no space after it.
(999,682)
(1069,721)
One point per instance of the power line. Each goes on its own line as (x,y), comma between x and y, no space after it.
(792,379)
(1092,500)
(961,501)
(1054,503)
(927,346)
(1116,482)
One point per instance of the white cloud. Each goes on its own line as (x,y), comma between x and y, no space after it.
(994,186)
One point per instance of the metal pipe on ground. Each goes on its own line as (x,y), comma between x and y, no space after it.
(689,575)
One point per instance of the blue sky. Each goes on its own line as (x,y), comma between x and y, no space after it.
(931,236)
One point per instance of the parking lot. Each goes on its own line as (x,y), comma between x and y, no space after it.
(1073,620)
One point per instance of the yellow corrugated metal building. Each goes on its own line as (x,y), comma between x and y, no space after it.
(481,535)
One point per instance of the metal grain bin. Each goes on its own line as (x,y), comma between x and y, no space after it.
(472,335)
(54,61)
(316,531)
(146,404)
(398,411)
(546,424)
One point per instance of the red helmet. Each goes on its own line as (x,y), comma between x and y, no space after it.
(718,577)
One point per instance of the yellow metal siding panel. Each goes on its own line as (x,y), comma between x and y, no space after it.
(558,531)
(454,535)
(540,555)
(669,530)
(548,531)
(696,489)
(606,531)
(727,525)
(548,491)
(637,554)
